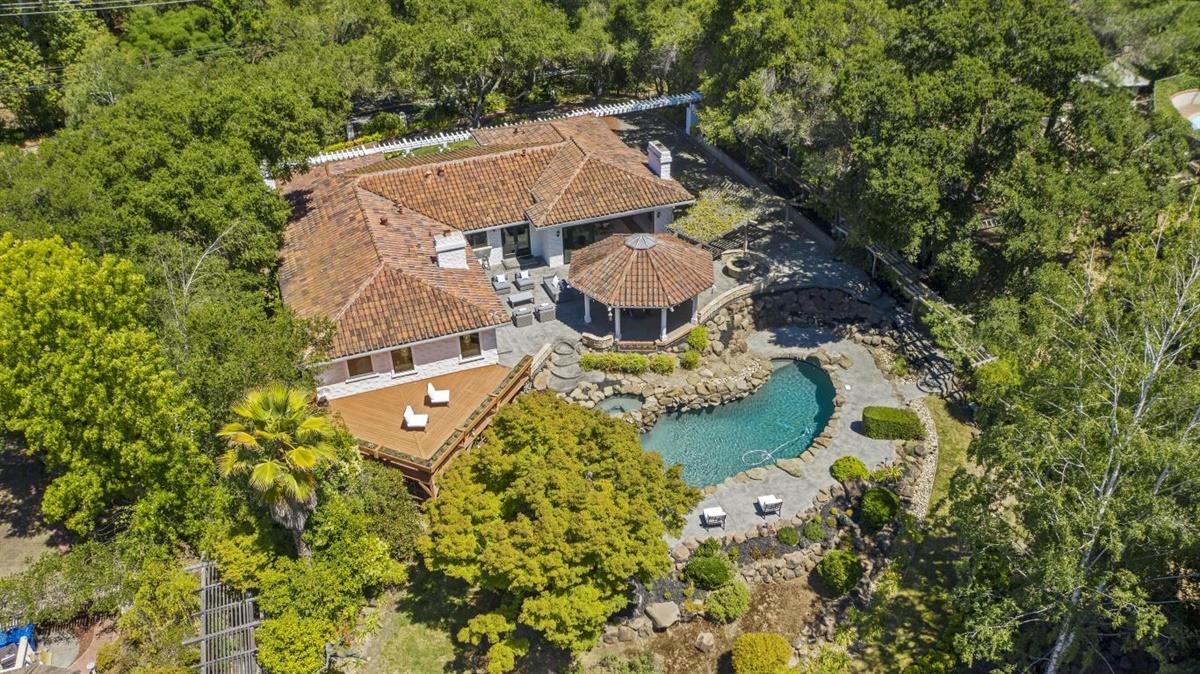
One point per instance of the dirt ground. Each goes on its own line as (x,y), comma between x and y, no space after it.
(779,607)
(23,534)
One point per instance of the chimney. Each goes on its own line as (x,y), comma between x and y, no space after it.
(660,159)
(451,249)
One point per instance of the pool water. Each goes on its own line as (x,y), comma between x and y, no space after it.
(620,404)
(778,421)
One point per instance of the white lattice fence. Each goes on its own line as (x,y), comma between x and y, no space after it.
(444,139)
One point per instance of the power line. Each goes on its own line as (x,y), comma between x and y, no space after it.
(113,5)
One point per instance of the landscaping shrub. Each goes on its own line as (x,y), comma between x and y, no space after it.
(709,572)
(662,363)
(879,507)
(709,547)
(788,536)
(761,653)
(841,570)
(697,339)
(814,532)
(629,363)
(849,468)
(892,423)
(690,360)
(386,124)
(728,603)
(634,664)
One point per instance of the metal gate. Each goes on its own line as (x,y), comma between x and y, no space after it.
(227,619)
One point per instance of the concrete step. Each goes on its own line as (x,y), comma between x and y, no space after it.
(560,384)
(571,371)
(560,360)
(563,348)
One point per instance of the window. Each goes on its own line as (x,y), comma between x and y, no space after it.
(477,239)
(402,360)
(468,345)
(360,366)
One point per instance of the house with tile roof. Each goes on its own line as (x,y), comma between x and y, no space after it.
(397,253)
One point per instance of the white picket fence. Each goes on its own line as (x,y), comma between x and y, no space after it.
(444,139)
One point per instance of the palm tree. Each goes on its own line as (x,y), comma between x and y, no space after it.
(280,441)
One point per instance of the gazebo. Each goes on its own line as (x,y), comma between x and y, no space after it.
(640,271)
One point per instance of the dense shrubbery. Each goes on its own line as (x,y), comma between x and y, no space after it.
(690,360)
(728,602)
(848,468)
(814,531)
(662,363)
(709,573)
(709,547)
(697,339)
(761,653)
(840,570)
(629,363)
(788,536)
(892,423)
(879,507)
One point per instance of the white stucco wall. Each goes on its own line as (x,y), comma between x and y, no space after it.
(430,359)
(662,218)
(547,243)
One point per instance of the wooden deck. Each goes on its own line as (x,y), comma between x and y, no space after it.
(377,417)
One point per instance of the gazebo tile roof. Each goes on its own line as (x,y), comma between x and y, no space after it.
(665,274)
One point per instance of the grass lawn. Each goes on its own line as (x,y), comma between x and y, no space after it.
(417,627)
(953,438)
(912,607)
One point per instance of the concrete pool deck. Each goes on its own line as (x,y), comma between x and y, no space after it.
(861,384)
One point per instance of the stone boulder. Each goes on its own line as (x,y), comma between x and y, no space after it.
(663,614)
(705,642)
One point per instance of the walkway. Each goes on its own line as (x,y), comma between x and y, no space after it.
(862,384)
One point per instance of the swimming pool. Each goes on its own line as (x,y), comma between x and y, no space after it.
(778,421)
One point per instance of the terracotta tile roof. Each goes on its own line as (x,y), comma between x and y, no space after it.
(641,270)
(359,247)
(368,266)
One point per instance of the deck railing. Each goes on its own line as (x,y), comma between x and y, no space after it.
(423,471)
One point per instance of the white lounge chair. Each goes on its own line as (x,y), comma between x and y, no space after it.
(524,280)
(713,517)
(414,421)
(769,505)
(437,396)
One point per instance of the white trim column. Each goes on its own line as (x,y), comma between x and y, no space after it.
(662,334)
(617,333)
(587,309)
(695,307)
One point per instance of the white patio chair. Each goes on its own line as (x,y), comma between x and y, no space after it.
(437,396)
(713,517)
(414,421)
(769,505)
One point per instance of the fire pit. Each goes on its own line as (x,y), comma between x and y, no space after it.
(743,264)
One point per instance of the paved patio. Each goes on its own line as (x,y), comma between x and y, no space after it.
(862,385)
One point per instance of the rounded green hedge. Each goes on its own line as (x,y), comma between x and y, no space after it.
(690,360)
(728,602)
(788,536)
(709,573)
(841,570)
(662,363)
(629,363)
(892,423)
(878,508)
(849,468)
(697,339)
(814,531)
(761,653)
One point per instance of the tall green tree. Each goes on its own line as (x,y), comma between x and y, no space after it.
(554,513)
(1084,526)
(279,443)
(86,383)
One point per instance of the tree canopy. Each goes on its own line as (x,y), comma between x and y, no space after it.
(554,513)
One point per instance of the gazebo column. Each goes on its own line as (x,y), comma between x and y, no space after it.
(695,308)
(662,333)
(617,334)
(587,309)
